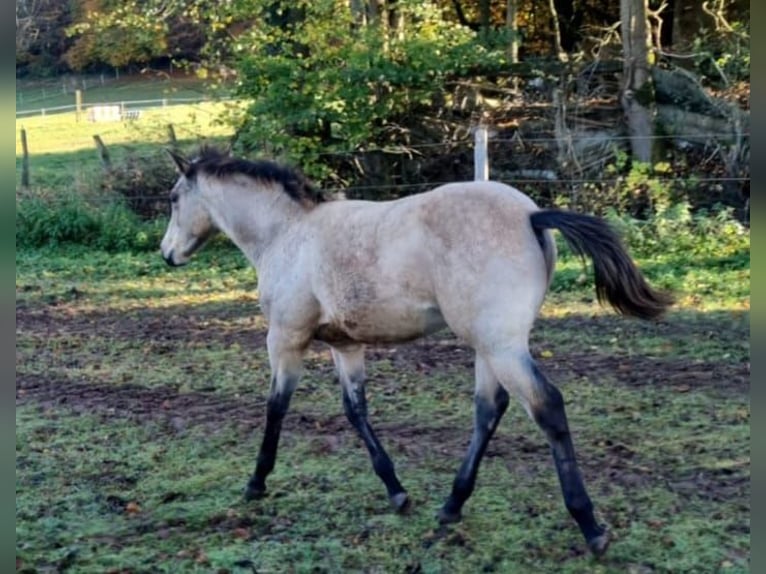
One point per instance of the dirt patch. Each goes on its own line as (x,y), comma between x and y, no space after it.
(178,412)
(175,413)
(241,325)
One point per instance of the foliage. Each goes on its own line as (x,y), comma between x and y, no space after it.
(117,33)
(143,181)
(68,217)
(677,231)
(315,90)
(723,56)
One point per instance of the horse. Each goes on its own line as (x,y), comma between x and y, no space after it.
(476,257)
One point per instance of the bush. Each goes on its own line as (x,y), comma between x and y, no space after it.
(144,182)
(44,218)
(677,231)
(316,91)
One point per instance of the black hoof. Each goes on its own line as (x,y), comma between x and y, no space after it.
(599,544)
(400,502)
(254,492)
(448,517)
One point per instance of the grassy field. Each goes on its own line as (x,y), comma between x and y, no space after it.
(40,94)
(140,398)
(140,395)
(63,154)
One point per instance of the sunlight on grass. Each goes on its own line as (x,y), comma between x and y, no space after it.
(63,133)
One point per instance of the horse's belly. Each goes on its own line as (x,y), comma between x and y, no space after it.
(381,325)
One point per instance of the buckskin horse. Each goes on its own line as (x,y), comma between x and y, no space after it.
(476,257)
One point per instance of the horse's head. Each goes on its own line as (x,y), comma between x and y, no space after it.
(190,223)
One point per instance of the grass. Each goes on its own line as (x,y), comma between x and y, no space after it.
(141,391)
(36,95)
(63,154)
(135,458)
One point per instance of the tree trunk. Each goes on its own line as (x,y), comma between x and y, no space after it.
(395,20)
(485,13)
(637,95)
(512,23)
(358,14)
(556,32)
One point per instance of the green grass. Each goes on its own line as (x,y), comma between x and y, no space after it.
(63,154)
(35,95)
(134,460)
(141,391)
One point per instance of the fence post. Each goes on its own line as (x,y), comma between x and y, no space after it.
(24,159)
(172,136)
(480,160)
(103,153)
(77,104)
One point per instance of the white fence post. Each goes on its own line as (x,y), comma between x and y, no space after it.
(480,160)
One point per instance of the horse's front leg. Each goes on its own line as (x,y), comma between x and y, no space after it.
(286,361)
(350,365)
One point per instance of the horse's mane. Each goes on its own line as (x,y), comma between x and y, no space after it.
(215,162)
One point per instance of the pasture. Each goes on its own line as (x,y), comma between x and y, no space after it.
(140,404)
(35,95)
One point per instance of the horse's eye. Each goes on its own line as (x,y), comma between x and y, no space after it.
(174,198)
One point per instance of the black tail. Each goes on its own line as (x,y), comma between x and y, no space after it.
(618,280)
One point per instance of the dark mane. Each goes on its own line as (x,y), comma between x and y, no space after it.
(215,162)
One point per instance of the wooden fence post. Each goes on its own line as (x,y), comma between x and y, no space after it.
(103,153)
(77,104)
(172,137)
(24,159)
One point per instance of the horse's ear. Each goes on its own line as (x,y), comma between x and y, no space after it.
(181,162)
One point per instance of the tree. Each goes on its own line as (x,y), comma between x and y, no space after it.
(637,93)
(40,37)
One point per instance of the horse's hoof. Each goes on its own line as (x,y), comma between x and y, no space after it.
(599,544)
(254,492)
(447,517)
(400,502)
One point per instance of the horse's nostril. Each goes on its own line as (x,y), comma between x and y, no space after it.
(169,258)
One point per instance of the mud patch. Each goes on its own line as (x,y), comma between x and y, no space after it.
(438,355)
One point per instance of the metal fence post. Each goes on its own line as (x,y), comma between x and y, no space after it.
(480,160)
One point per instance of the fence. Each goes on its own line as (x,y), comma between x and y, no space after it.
(124,105)
(480,143)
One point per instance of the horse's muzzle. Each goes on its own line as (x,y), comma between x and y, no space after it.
(169,259)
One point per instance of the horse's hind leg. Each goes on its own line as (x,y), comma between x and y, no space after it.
(491,402)
(545,404)
(286,367)
(350,366)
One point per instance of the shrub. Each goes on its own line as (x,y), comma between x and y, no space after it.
(144,182)
(677,231)
(45,218)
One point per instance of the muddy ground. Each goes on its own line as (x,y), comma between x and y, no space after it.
(180,411)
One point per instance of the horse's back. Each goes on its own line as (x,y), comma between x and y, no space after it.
(464,252)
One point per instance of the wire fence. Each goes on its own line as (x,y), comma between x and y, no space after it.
(122,105)
(147,166)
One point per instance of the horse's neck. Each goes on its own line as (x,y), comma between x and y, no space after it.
(254,217)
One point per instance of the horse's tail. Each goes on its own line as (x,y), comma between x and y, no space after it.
(618,280)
